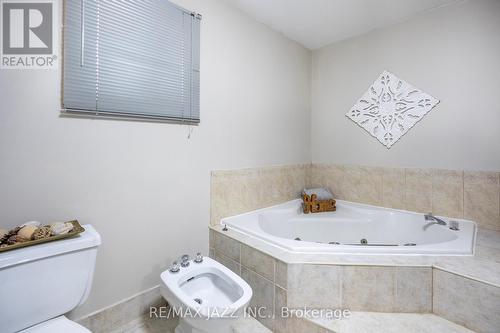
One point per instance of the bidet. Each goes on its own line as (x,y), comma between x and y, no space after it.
(208,296)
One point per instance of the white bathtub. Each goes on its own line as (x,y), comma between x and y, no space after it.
(386,231)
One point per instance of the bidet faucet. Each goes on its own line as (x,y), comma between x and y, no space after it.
(185,260)
(199,258)
(174,268)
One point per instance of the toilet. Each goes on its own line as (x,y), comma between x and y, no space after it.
(39,284)
(209,296)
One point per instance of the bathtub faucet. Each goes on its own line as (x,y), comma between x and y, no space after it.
(430,217)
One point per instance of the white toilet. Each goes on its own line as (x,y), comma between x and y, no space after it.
(39,284)
(209,295)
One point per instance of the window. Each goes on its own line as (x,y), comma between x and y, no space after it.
(133,59)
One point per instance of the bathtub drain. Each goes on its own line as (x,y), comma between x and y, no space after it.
(363,241)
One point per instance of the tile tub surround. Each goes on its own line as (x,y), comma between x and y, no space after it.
(473,195)
(473,304)
(364,288)
(461,194)
(360,288)
(238,191)
(484,266)
(396,284)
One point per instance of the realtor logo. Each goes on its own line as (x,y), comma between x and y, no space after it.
(28,34)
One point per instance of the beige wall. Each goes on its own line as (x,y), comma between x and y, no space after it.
(145,186)
(451,53)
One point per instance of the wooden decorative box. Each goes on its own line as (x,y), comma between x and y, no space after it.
(312,205)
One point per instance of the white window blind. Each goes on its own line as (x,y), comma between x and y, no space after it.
(132,58)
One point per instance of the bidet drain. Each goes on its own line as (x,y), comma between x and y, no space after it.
(363,241)
(198,300)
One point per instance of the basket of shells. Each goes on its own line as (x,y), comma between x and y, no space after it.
(32,233)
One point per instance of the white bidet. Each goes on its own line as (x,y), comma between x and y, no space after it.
(207,295)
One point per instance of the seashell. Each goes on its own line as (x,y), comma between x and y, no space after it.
(27,231)
(60,228)
(12,240)
(3,232)
(31,223)
(12,232)
(41,233)
(20,239)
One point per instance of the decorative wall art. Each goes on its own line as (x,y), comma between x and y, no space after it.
(390,108)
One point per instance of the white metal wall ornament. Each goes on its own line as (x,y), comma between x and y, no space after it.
(390,108)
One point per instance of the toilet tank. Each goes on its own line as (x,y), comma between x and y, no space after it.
(44,281)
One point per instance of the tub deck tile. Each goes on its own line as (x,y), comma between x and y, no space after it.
(374,322)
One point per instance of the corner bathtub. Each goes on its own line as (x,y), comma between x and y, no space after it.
(386,231)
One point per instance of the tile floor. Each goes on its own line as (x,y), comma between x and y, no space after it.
(164,325)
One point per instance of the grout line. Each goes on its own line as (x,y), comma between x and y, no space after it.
(404,189)
(463,194)
(466,276)
(432,289)
(498,192)
(433,171)
(382,188)
(341,286)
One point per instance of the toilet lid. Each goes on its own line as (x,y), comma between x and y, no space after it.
(56,325)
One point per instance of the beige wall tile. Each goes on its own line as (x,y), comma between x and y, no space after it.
(281,184)
(363,184)
(257,261)
(281,274)
(413,289)
(237,191)
(393,188)
(263,295)
(473,195)
(228,262)
(418,192)
(466,302)
(211,234)
(280,302)
(481,198)
(368,288)
(330,176)
(299,325)
(226,245)
(211,253)
(447,193)
(314,286)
